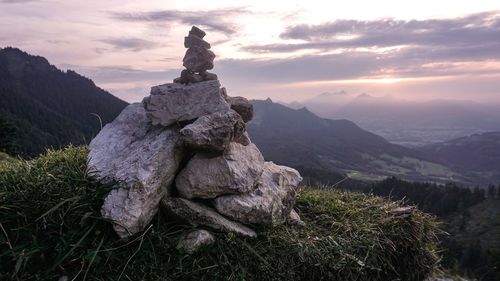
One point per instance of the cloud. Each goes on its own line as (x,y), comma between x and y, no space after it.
(350,49)
(415,30)
(481,29)
(129,44)
(18,1)
(122,73)
(304,68)
(216,20)
(125,81)
(412,62)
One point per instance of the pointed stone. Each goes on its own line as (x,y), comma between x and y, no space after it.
(197,214)
(195,31)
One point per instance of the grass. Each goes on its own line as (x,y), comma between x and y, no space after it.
(5,158)
(50,227)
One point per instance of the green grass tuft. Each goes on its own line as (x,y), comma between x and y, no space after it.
(6,159)
(51,226)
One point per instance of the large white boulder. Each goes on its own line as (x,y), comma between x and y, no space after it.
(142,159)
(272,201)
(236,171)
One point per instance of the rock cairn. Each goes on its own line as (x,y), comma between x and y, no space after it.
(198,59)
(185,149)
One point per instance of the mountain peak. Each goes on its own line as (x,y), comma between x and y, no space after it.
(364,96)
(11,51)
(17,61)
(333,94)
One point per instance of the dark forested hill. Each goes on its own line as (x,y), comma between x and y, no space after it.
(48,107)
(299,138)
(471,219)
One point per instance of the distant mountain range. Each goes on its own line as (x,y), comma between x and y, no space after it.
(301,139)
(49,107)
(406,122)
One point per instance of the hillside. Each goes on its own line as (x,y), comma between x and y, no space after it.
(474,244)
(477,154)
(49,107)
(290,136)
(471,220)
(478,222)
(52,227)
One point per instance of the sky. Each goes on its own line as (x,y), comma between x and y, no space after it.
(286,50)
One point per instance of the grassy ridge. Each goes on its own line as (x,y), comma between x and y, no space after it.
(5,158)
(50,227)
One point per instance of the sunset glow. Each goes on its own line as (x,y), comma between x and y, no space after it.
(286,50)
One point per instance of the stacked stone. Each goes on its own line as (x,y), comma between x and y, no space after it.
(198,59)
(144,150)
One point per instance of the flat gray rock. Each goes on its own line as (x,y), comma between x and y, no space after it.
(142,159)
(200,215)
(195,240)
(272,201)
(236,171)
(215,131)
(173,102)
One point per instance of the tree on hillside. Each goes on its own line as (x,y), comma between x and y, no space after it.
(7,137)
(491,191)
(478,194)
(436,199)
(472,255)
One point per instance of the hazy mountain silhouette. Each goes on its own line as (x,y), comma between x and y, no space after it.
(323,104)
(49,107)
(406,122)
